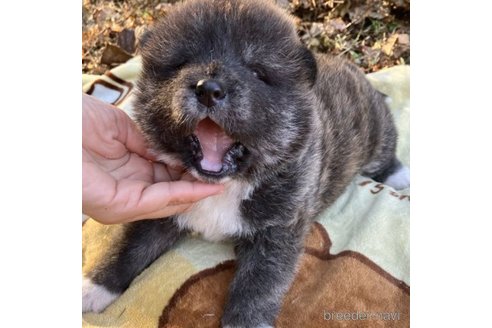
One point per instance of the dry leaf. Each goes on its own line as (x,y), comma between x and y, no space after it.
(130,22)
(316,29)
(387,47)
(126,40)
(337,24)
(114,55)
(101,15)
(377,45)
(116,27)
(333,26)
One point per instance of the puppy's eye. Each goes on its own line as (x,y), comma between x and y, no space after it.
(260,75)
(179,65)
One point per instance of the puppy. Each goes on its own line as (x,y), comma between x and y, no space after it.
(229,92)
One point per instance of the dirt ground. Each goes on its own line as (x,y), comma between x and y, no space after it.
(374,34)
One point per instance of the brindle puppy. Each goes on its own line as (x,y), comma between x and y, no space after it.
(229,92)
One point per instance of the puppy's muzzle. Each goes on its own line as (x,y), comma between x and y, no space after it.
(209,92)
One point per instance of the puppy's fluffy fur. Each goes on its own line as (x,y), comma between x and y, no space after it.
(284,130)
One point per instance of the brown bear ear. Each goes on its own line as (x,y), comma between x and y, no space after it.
(309,63)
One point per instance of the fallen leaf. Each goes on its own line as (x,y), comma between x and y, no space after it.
(114,55)
(126,40)
(387,47)
(316,29)
(377,45)
(333,26)
(101,15)
(116,27)
(313,43)
(130,22)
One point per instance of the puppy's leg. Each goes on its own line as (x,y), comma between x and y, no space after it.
(266,268)
(395,175)
(141,244)
(399,179)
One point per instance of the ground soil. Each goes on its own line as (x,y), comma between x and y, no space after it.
(374,34)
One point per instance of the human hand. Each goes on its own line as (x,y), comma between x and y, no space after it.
(119,182)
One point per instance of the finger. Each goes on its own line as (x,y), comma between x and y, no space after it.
(177,192)
(188,177)
(133,199)
(137,200)
(162,173)
(175,172)
(111,120)
(168,211)
(130,135)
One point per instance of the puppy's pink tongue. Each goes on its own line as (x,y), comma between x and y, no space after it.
(214,142)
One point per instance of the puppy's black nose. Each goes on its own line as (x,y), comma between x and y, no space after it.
(209,92)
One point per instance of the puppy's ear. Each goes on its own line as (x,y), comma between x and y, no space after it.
(309,62)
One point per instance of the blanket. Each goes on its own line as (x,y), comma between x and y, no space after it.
(354,271)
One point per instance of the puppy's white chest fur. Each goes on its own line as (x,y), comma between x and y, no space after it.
(218,217)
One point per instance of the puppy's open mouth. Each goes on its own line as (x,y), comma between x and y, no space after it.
(214,152)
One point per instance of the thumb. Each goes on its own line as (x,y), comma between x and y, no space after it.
(157,199)
(184,192)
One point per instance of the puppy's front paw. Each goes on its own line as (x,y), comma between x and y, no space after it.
(400,179)
(95,298)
